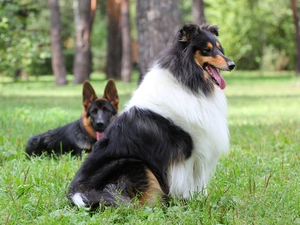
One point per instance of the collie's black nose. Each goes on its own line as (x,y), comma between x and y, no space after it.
(231,65)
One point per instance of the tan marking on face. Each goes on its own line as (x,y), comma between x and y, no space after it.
(209,45)
(200,60)
(86,121)
(218,45)
(153,191)
(218,61)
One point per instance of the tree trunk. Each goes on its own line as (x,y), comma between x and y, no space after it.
(114,48)
(126,67)
(198,12)
(83,56)
(58,60)
(157,23)
(297,33)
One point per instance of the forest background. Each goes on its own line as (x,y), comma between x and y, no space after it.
(258,182)
(116,37)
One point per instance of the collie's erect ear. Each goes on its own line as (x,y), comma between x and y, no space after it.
(187,33)
(111,93)
(88,94)
(211,28)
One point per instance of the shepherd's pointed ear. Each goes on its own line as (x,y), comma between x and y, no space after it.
(111,93)
(88,94)
(187,33)
(211,28)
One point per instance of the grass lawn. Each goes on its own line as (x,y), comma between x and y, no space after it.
(257,183)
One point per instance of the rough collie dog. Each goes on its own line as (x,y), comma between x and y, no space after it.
(81,134)
(172,132)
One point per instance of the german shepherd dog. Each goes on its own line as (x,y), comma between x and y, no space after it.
(169,138)
(81,134)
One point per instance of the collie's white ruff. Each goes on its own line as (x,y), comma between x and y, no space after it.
(204,118)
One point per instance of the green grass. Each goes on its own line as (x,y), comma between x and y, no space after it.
(257,183)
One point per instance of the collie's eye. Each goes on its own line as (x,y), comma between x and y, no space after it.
(207,50)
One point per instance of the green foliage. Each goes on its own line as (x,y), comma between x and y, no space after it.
(99,42)
(19,45)
(256,34)
(67,20)
(25,43)
(257,183)
(44,67)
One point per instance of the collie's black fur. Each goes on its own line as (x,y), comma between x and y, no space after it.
(137,143)
(81,134)
(171,133)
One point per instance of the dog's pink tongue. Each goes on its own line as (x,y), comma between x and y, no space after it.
(217,76)
(99,135)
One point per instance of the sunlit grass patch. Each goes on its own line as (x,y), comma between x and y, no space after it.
(258,182)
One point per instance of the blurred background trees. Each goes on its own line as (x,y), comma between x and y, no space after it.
(114,39)
(84,13)
(117,36)
(157,23)
(57,59)
(126,67)
(297,33)
(198,12)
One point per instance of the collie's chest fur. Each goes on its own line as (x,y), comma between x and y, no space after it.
(203,117)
